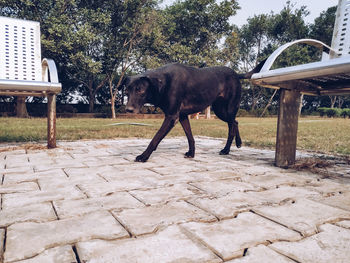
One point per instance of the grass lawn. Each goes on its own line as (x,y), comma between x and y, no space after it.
(316,134)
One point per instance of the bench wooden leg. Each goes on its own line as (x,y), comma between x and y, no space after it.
(51,121)
(287,128)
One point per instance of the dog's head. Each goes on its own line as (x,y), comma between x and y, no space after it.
(141,89)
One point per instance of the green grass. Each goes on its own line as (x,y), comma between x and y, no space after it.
(316,134)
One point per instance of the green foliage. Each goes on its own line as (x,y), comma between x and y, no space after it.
(322,111)
(333,112)
(345,113)
(322,29)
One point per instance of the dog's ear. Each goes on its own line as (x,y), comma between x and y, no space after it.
(157,82)
(124,82)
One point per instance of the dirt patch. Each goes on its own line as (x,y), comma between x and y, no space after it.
(314,165)
(25,147)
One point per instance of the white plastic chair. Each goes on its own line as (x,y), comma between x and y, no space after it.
(22,72)
(330,76)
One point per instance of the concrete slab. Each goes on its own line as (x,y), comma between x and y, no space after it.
(223,187)
(260,254)
(302,215)
(62,254)
(229,238)
(228,206)
(330,245)
(18,188)
(344,224)
(166,194)
(337,199)
(167,246)
(25,240)
(23,199)
(141,221)
(117,202)
(41,212)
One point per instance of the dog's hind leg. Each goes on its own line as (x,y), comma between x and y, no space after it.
(238,137)
(185,123)
(231,135)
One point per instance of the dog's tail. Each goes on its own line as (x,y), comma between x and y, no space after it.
(255,70)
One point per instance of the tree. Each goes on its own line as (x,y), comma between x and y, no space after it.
(125,40)
(190,31)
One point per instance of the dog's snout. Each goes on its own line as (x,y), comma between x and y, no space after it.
(130,109)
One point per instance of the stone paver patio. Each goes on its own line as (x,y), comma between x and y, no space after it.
(88,201)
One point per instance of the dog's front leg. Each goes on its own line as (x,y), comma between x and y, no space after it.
(187,128)
(168,124)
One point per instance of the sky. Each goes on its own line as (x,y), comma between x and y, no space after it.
(249,8)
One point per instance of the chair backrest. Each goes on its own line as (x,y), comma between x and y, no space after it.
(341,32)
(20,50)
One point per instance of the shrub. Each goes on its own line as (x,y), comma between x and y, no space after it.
(257,112)
(332,112)
(345,113)
(242,113)
(322,111)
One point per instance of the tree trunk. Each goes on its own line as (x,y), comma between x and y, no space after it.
(333,100)
(91,103)
(21,107)
(269,103)
(301,103)
(113,107)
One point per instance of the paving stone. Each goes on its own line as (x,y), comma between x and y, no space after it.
(81,172)
(260,254)
(105,160)
(184,168)
(282,193)
(326,186)
(330,245)
(58,164)
(17,170)
(147,220)
(229,238)
(223,187)
(167,246)
(2,239)
(302,215)
(32,176)
(23,199)
(13,161)
(165,194)
(345,224)
(107,188)
(52,183)
(41,212)
(228,206)
(338,199)
(127,174)
(18,188)
(57,233)
(275,179)
(116,201)
(63,254)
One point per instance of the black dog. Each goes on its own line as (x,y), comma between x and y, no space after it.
(181,90)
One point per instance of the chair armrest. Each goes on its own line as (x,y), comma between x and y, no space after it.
(271,59)
(49,69)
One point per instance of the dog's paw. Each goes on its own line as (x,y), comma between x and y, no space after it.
(141,158)
(189,155)
(224,152)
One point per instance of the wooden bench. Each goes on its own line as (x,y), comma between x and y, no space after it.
(330,76)
(22,72)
